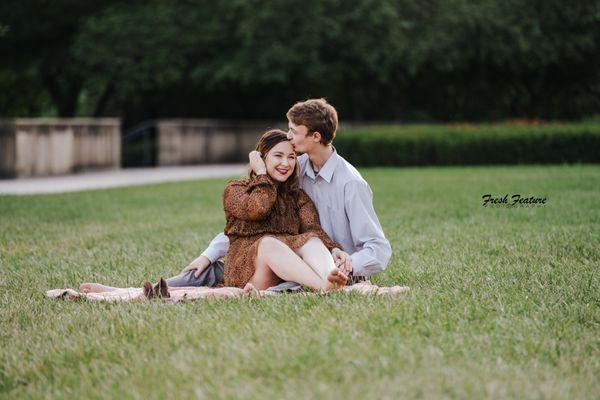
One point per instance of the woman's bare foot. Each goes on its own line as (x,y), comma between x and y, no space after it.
(249,289)
(95,288)
(337,279)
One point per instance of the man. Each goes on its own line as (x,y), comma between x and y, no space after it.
(343,199)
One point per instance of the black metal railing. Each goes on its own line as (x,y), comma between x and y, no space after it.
(139,146)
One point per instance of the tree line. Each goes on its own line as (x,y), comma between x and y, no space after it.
(374,59)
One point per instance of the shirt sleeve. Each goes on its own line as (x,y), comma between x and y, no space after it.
(217,248)
(250,200)
(374,249)
(309,221)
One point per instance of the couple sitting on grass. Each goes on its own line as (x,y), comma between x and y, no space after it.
(295,223)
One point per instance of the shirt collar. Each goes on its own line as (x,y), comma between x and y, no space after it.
(326,172)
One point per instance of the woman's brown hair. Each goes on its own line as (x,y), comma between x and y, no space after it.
(267,141)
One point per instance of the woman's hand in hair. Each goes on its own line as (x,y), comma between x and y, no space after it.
(256,163)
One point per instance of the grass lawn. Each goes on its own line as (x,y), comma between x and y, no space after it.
(505,302)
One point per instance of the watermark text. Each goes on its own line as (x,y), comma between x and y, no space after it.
(515,200)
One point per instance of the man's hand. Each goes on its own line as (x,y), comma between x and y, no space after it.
(342,261)
(199,264)
(256,163)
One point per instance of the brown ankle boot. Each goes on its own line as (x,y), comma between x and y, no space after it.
(161,289)
(148,291)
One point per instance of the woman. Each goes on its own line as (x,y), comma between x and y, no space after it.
(273,226)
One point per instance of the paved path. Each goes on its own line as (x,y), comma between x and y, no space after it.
(116,178)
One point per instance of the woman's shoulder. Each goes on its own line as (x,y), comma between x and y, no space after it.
(254,180)
(238,182)
(248,183)
(234,186)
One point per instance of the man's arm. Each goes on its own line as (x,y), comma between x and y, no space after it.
(374,249)
(216,249)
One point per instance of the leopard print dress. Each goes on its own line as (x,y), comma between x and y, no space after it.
(256,208)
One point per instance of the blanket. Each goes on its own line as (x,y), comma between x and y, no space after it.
(195,293)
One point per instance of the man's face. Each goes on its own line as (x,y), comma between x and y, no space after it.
(297,136)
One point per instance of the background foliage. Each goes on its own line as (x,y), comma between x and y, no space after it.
(471,144)
(403,59)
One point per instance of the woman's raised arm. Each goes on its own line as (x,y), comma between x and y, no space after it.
(250,200)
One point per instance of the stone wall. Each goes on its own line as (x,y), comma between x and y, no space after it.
(49,146)
(203,141)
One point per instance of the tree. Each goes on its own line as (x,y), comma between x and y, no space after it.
(373,59)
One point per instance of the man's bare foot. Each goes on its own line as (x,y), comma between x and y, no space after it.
(95,288)
(337,279)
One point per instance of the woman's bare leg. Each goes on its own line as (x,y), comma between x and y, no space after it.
(316,255)
(276,259)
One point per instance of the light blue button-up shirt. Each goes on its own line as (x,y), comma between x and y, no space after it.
(344,202)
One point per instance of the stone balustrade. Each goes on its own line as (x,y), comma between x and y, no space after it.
(49,146)
(205,141)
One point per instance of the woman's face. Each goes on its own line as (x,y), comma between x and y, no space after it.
(281,161)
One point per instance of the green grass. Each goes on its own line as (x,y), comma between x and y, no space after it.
(505,302)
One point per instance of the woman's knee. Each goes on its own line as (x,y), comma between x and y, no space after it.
(315,241)
(269,243)
(309,245)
